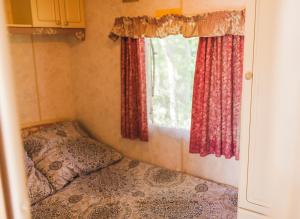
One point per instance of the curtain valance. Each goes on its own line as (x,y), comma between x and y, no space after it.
(205,25)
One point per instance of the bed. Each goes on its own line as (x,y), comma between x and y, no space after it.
(112,186)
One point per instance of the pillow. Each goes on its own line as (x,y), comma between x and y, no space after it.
(90,155)
(38,186)
(44,146)
(63,151)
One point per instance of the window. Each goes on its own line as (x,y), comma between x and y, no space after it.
(170,73)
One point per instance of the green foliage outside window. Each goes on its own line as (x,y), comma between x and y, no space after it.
(170,67)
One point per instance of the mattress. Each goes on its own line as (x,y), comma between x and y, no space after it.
(133,189)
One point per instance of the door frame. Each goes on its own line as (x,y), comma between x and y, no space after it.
(15,196)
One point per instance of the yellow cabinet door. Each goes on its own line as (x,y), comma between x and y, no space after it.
(72,12)
(45,13)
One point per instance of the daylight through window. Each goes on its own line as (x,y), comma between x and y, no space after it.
(170,74)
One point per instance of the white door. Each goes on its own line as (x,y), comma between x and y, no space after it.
(256,132)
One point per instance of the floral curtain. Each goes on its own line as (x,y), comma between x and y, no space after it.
(212,24)
(133,98)
(217,96)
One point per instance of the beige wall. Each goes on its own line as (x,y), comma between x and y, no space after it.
(42,71)
(97,90)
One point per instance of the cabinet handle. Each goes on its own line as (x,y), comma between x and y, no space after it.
(249,76)
(58,22)
(66,23)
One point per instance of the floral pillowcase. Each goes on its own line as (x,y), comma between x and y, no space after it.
(38,186)
(62,151)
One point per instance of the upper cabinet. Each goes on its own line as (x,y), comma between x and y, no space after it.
(57,13)
(72,13)
(18,13)
(45,13)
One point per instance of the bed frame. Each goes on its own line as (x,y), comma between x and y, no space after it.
(43,122)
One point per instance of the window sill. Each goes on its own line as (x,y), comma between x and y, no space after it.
(177,133)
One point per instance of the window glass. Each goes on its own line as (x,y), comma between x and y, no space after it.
(170,71)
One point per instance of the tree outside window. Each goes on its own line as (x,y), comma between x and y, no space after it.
(170,73)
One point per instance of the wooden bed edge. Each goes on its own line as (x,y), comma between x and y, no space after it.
(44,122)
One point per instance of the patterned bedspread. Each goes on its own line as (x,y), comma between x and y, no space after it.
(132,189)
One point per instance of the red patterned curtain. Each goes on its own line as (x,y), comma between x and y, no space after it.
(217,96)
(133,99)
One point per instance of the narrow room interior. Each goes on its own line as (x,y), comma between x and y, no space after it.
(144,109)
